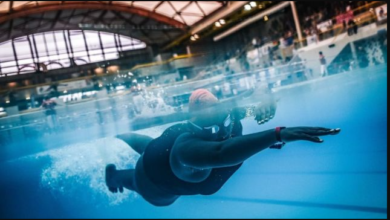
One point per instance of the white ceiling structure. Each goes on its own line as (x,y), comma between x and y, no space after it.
(186,12)
(18,18)
(48,32)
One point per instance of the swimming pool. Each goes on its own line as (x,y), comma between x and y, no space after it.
(344,177)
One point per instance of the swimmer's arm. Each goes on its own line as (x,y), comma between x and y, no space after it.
(200,154)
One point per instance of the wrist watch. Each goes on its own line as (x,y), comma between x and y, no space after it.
(280,142)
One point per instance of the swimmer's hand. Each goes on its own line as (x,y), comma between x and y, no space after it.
(306,133)
(266,110)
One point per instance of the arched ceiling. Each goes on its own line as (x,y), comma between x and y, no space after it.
(154,22)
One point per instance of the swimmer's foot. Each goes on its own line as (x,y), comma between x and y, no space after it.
(111,179)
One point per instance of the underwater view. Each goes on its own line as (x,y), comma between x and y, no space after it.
(193,109)
(346,176)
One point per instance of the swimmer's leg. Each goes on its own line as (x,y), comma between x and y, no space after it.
(116,180)
(136,141)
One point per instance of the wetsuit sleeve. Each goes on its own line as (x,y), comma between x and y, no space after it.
(239,113)
(201,154)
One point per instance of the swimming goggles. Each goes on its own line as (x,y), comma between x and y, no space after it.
(213,131)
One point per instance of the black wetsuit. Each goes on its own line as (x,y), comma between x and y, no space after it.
(158,169)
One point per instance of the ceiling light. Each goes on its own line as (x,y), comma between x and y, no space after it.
(222,21)
(253,4)
(193,38)
(196,36)
(217,24)
(247,7)
(266,18)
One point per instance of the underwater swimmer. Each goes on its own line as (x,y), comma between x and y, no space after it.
(199,156)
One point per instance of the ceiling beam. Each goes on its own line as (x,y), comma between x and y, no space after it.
(200,8)
(101,16)
(222,13)
(28,20)
(70,17)
(11,23)
(11,4)
(58,15)
(252,19)
(129,22)
(90,5)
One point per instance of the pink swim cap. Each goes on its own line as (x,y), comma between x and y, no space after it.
(201,98)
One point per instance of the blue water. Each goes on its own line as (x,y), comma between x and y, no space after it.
(344,177)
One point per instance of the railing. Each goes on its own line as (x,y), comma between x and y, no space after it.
(364,17)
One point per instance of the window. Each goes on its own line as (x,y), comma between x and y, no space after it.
(7,52)
(54,49)
(60,42)
(93,40)
(40,44)
(8,64)
(97,58)
(25,61)
(50,43)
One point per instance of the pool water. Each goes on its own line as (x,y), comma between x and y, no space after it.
(344,177)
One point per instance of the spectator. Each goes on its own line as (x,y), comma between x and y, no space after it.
(51,115)
(355,27)
(324,71)
(289,39)
(382,14)
(352,27)
(12,97)
(53,89)
(277,61)
(282,43)
(95,83)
